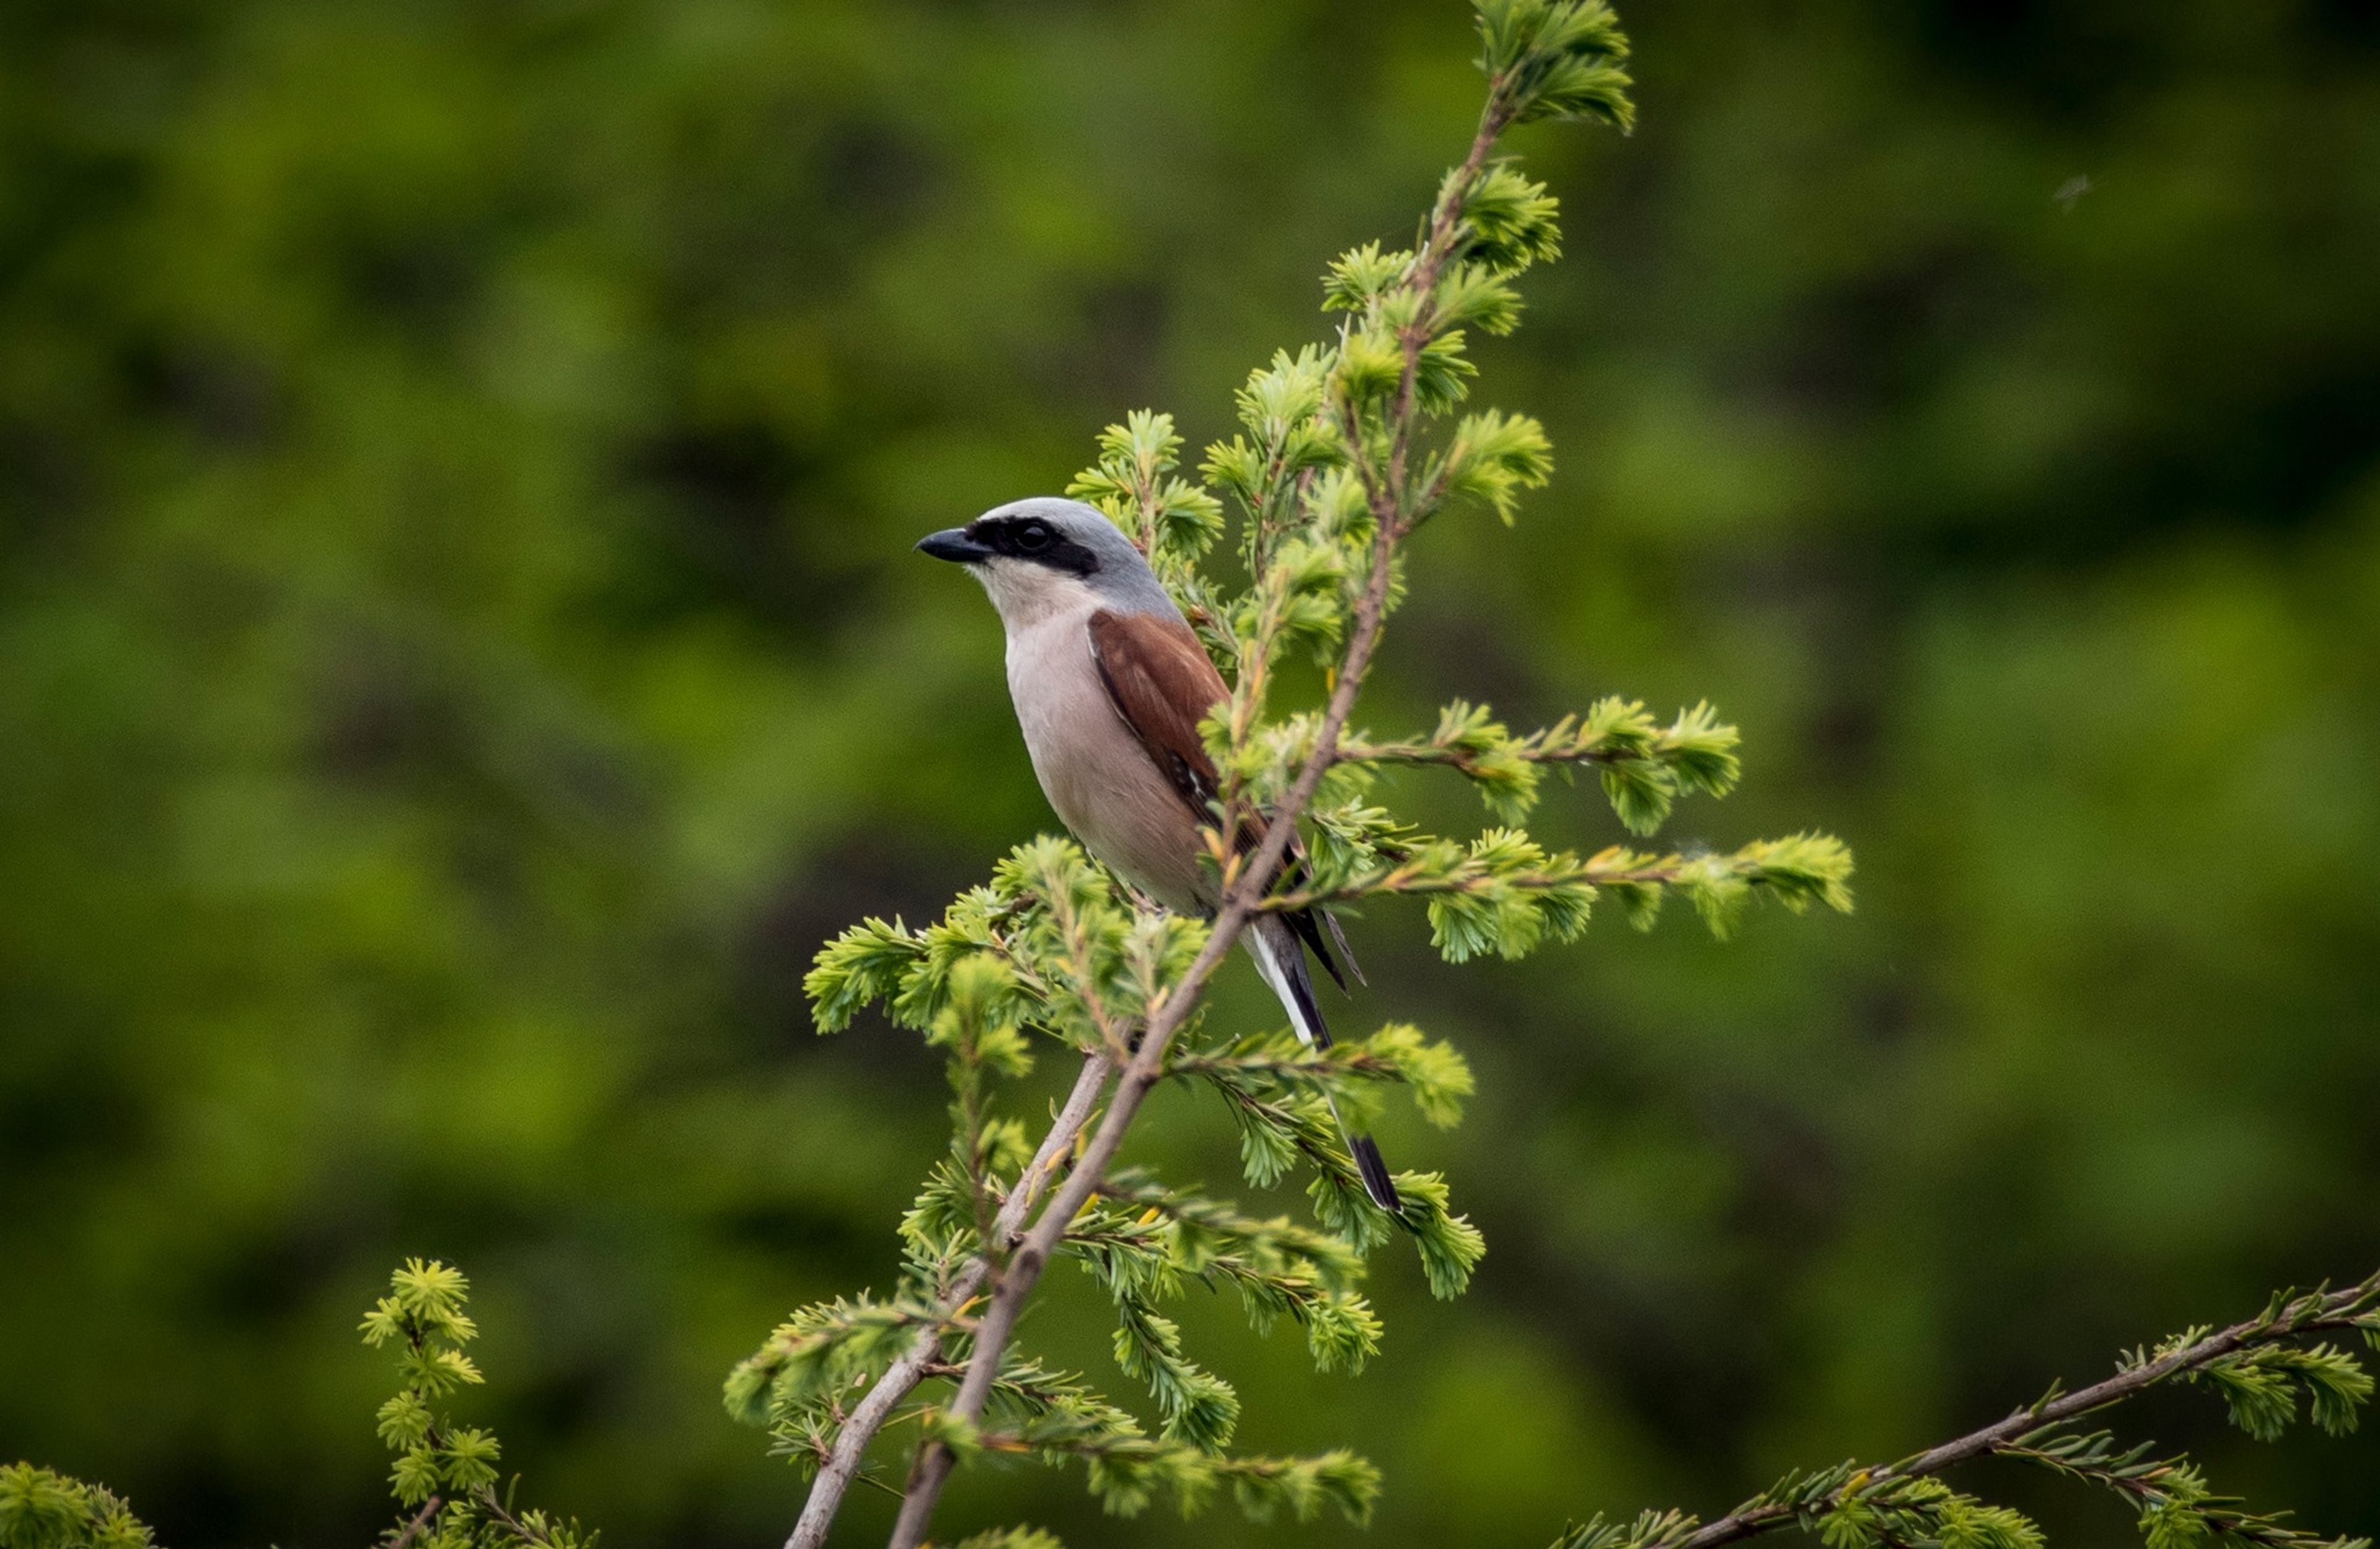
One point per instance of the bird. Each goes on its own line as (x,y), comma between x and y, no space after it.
(1110,684)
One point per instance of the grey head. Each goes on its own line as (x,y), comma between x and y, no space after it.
(1044,556)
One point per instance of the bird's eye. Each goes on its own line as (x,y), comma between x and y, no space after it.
(1033,537)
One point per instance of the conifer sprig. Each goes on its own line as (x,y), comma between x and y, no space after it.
(1644,767)
(1503,893)
(40,1509)
(1346,449)
(1171,520)
(1055,1416)
(1434,1073)
(2262,1366)
(445,1473)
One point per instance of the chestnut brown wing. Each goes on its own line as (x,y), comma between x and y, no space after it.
(1162,685)
(1161,682)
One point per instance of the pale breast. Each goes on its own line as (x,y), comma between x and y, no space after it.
(1100,781)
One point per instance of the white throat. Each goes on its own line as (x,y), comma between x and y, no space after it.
(1030,595)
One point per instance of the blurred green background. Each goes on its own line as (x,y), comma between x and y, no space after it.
(460,653)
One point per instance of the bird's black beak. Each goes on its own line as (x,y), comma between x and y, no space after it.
(953,544)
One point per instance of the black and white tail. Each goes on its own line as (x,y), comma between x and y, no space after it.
(1280,959)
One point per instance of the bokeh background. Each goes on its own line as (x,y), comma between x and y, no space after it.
(460,653)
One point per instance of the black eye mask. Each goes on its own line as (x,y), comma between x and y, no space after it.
(1035,541)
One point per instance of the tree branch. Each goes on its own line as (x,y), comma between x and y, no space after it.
(1244,884)
(2155,1487)
(859,1428)
(2314,1313)
(413,1530)
(1598,871)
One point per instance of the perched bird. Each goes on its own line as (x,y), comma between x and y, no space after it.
(1110,686)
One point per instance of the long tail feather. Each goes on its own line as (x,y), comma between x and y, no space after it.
(1311,925)
(1281,961)
(1374,1172)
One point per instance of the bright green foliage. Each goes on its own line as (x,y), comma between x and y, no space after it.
(1281,1097)
(1011,1538)
(1051,944)
(816,1353)
(1647,1529)
(1923,1510)
(2177,1509)
(1325,480)
(1054,1416)
(1849,1507)
(2261,1386)
(1509,222)
(445,1474)
(1174,522)
(1644,767)
(861,966)
(422,1316)
(2260,1366)
(43,1510)
(1054,946)
(1144,1242)
(1797,871)
(1503,893)
(1563,58)
(1286,440)
(1451,1247)
(1434,1072)
(1493,457)
(1199,1408)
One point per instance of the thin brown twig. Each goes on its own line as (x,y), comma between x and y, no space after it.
(1436,248)
(413,1530)
(1414,881)
(481,1496)
(1532,749)
(841,1464)
(1078,960)
(486,1498)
